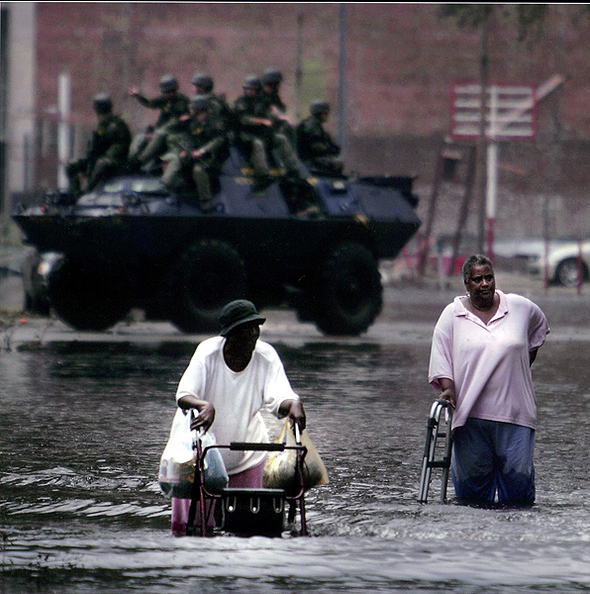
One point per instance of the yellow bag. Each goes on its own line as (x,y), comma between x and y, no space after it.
(279,471)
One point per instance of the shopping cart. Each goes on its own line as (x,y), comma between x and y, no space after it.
(248,512)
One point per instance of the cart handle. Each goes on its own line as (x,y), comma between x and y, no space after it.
(254,446)
(269,447)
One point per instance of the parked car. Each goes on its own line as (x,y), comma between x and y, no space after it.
(565,260)
(528,254)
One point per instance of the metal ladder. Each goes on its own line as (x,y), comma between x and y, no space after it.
(438,426)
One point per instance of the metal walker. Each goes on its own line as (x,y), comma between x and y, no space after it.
(438,426)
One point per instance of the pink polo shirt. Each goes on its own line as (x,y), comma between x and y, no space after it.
(489,364)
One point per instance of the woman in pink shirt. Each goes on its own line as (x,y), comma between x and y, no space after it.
(482,348)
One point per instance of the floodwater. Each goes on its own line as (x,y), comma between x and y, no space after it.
(83,424)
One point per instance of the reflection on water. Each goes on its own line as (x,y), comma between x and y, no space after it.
(83,427)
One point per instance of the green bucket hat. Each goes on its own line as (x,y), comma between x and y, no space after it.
(236,313)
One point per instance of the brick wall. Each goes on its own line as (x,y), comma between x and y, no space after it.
(401,62)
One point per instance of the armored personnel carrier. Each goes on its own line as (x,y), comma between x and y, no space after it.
(312,244)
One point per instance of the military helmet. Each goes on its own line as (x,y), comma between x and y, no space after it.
(204,81)
(102,103)
(319,106)
(168,83)
(200,103)
(252,82)
(271,76)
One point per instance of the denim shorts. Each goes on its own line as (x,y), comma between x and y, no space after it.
(492,458)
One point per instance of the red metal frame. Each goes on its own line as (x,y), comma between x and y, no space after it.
(200,495)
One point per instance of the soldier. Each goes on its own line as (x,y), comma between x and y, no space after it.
(108,151)
(197,148)
(271,81)
(315,146)
(218,106)
(171,103)
(256,133)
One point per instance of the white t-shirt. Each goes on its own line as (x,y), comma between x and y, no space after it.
(489,364)
(238,397)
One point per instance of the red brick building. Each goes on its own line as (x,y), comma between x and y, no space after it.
(400,62)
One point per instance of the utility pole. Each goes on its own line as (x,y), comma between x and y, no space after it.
(4,47)
(299,66)
(481,141)
(342,93)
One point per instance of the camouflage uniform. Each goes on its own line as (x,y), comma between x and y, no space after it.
(218,106)
(221,111)
(316,148)
(171,104)
(185,136)
(275,102)
(271,81)
(255,138)
(107,155)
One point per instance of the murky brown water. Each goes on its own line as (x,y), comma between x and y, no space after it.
(83,426)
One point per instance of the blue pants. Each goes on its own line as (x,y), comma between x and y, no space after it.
(491,457)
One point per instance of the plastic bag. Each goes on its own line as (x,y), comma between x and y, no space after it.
(216,477)
(280,471)
(177,463)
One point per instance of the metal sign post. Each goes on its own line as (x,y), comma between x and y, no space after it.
(64,98)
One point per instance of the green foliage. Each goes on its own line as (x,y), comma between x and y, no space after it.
(467,15)
(523,16)
(527,16)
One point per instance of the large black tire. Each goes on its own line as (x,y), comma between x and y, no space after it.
(348,295)
(37,303)
(87,298)
(210,274)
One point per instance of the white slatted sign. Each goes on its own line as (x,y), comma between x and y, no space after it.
(510,112)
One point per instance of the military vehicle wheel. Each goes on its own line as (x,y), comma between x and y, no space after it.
(209,274)
(348,296)
(87,299)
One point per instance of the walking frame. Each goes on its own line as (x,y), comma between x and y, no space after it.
(249,512)
(438,426)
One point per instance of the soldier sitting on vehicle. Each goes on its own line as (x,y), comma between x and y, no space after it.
(171,103)
(256,134)
(218,106)
(197,148)
(315,146)
(271,81)
(108,151)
